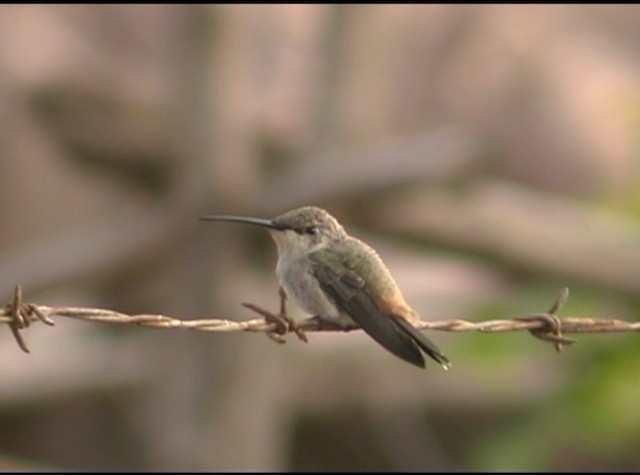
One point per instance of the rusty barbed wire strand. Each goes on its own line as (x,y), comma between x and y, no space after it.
(546,326)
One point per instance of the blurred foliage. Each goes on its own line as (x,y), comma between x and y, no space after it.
(589,421)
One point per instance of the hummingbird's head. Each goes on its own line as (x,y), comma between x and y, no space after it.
(296,232)
(304,230)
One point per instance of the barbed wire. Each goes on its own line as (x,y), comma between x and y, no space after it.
(546,326)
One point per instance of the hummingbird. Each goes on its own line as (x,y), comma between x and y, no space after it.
(341,280)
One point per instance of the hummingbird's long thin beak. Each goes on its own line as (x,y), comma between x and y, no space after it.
(265,223)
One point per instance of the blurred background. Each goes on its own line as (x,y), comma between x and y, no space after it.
(489,153)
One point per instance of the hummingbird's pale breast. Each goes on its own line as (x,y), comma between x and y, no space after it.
(299,281)
(296,275)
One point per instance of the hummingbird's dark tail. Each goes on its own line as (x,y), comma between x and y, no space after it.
(392,331)
(423,342)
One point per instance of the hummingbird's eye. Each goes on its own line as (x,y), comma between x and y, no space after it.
(313,230)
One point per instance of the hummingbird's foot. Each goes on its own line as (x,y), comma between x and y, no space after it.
(292,325)
(281,325)
(283,322)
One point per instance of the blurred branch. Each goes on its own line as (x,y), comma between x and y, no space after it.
(525,228)
(109,129)
(332,70)
(545,326)
(451,152)
(115,240)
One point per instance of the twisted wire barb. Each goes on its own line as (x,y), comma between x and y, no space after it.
(546,326)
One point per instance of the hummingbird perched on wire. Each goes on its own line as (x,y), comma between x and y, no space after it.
(340,280)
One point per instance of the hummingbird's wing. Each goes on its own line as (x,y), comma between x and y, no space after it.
(339,274)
